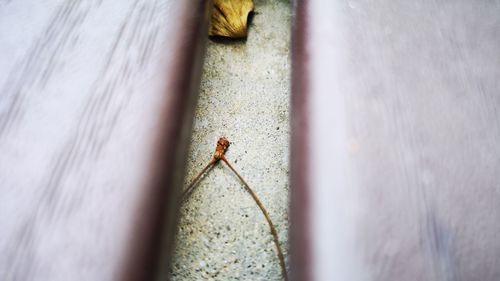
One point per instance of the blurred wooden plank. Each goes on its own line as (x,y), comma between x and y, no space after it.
(95,106)
(395,133)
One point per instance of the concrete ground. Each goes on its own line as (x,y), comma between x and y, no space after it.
(245,95)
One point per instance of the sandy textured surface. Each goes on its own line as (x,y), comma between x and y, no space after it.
(245,96)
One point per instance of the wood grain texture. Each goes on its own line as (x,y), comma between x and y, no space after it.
(402,152)
(96,102)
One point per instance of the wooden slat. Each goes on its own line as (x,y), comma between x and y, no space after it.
(396,132)
(95,107)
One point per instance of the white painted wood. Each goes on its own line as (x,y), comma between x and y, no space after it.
(399,141)
(95,104)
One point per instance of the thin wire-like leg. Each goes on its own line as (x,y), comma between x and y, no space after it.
(266,214)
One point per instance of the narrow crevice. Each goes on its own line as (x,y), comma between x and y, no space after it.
(245,96)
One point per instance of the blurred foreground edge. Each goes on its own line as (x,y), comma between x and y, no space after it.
(96,106)
(395,165)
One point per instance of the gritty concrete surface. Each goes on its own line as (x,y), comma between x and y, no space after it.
(245,95)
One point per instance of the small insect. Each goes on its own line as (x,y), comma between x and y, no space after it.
(220,150)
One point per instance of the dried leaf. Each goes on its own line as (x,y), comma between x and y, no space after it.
(229,18)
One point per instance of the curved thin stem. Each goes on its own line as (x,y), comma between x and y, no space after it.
(193,185)
(266,215)
(220,150)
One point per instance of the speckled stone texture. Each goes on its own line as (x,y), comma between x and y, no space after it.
(245,95)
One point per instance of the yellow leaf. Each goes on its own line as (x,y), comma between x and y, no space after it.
(229,18)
